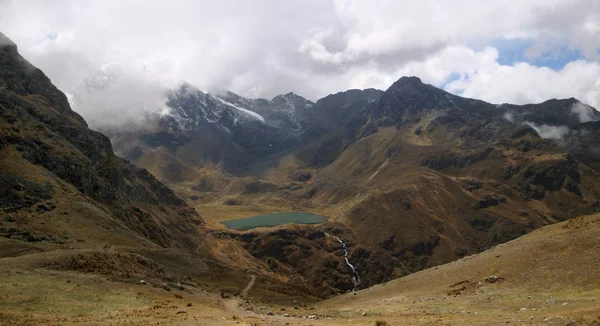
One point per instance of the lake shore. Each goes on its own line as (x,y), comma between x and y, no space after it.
(274,219)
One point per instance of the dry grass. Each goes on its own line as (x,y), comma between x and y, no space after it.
(549,273)
(60,298)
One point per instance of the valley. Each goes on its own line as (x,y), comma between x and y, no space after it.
(412,177)
(413,206)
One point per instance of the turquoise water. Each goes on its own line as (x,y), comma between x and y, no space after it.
(274,219)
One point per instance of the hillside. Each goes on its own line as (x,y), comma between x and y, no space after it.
(548,276)
(62,183)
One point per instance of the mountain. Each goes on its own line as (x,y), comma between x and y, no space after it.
(411,178)
(70,206)
(246,130)
(73,213)
(444,177)
(414,175)
(61,181)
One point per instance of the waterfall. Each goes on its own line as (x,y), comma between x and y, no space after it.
(355,276)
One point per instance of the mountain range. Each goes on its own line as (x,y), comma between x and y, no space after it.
(413,175)
(410,178)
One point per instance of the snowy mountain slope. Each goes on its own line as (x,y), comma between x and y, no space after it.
(289,111)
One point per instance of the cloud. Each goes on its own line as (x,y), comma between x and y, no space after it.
(312,47)
(584,112)
(509,116)
(549,132)
(117,95)
(523,83)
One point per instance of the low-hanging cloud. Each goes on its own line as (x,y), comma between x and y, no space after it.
(509,116)
(585,113)
(311,47)
(117,96)
(549,132)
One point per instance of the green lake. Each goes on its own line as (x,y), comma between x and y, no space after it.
(274,219)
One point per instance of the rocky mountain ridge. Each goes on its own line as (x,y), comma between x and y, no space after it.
(50,154)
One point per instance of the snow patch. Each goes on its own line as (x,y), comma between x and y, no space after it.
(253,114)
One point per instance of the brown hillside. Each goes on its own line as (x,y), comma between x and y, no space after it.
(549,276)
(61,182)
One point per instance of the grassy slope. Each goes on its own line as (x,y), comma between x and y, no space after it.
(556,265)
(549,275)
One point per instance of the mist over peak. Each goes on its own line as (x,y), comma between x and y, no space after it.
(116,95)
(585,112)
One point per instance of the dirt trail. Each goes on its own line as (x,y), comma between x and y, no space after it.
(233,305)
(244,292)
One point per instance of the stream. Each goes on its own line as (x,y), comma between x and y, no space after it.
(355,276)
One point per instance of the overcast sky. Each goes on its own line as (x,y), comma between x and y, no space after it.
(498,51)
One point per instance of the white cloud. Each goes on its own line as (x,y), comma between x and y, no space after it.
(459,60)
(509,116)
(264,48)
(122,100)
(524,83)
(549,132)
(584,112)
